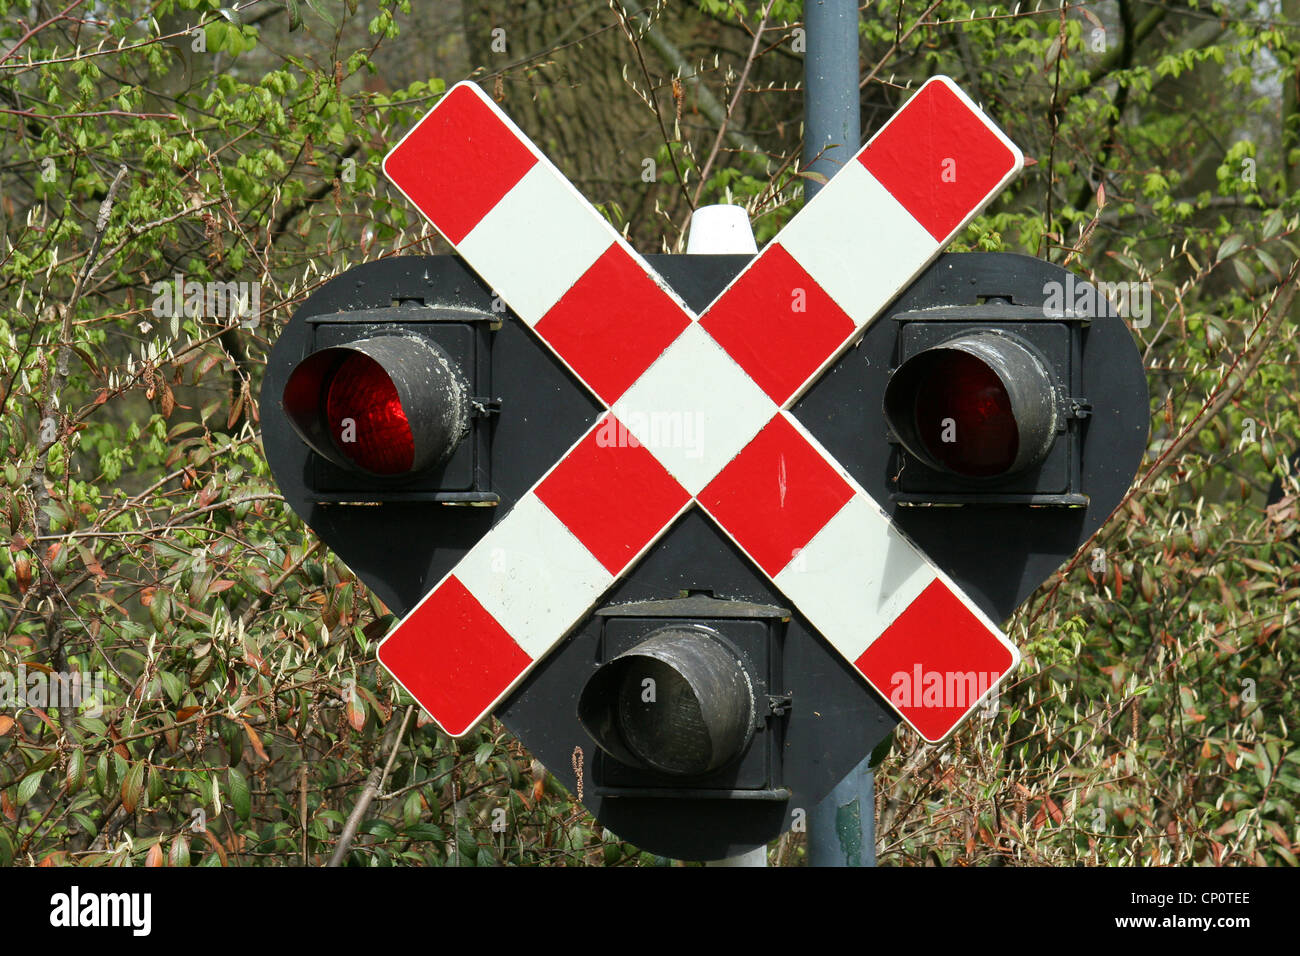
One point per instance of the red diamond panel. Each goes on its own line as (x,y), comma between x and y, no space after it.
(938,159)
(612,494)
(777,323)
(935,661)
(453,656)
(458,163)
(613,324)
(775,495)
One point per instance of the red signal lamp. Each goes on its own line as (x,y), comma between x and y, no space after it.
(391,405)
(979,406)
(984,405)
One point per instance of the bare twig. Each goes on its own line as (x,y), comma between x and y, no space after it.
(617,7)
(38,28)
(302,806)
(32,114)
(735,101)
(49,436)
(708,103)
(60,374)
(901,40)
(1054,117)
(374,783)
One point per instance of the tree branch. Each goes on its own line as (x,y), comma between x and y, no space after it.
(48,434)
(374,783)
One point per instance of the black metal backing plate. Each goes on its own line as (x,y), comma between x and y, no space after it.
(402,550)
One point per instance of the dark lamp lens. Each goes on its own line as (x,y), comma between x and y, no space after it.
(963,416)
(661,720)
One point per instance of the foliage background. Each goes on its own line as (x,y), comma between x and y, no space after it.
(1154,719)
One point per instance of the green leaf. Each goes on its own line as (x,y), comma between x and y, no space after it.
(76,770)
(157,786)
(881,750)
(423,831)
(1263,768)
(1230,246)
(240,798)
(411,809)
(1269,263)
(27,787)
(1244,275)
(378,828)
(102,781)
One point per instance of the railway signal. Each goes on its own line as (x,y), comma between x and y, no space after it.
(716,522)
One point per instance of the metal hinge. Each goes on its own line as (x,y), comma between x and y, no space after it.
(778,704)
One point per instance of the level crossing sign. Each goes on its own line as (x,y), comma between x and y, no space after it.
(732,374)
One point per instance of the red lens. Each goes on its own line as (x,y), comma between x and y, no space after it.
(964,416)
(366,419)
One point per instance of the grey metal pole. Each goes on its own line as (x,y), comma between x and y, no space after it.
(832,121)
(842,828)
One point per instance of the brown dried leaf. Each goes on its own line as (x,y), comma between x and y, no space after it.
(216,845)
(206,366)
(1282,510)
(255,740)
(23,571)
(356,713)
(118,747)
(236,407)
(208,494)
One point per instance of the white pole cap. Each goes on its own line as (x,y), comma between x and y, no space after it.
(719,230)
